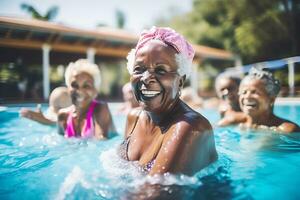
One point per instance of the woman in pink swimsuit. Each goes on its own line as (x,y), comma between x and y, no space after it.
(86,117)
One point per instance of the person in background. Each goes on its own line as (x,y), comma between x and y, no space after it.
(191,98)
(129,100)
(87,117)
(58,99)
(257,93)
(164,134)
(227,87)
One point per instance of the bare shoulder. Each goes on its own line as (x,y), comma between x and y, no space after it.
(102,106)
(196,122)
(133,115)
(132,118)
(288,127)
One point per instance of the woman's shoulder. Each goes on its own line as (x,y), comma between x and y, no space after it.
(135,112)
(101,106)
(133,115)
(195,121)
(287,126)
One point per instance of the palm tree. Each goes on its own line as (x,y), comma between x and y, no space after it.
(121,18)
(50,15)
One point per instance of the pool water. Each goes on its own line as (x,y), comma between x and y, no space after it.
(37,163)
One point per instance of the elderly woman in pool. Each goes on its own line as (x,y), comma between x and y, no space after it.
(258,91)
(86,117)
(165,135)
(227,88)
(59,98)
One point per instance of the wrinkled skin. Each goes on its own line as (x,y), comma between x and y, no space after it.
(165,129)
(257,104)
(155,73)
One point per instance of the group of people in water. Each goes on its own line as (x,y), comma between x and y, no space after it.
(250,101)
(163,133)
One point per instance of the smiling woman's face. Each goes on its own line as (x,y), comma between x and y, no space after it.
(254,98)
(155,80)
(82,89)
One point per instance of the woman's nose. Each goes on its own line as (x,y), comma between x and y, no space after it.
(147,77)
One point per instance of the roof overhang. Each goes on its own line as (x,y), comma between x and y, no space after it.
(33,34)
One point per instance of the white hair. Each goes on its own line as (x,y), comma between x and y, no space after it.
(83,66)
(184,64)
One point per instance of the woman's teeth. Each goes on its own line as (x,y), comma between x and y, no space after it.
(150,93)
(80,99)
(250,104)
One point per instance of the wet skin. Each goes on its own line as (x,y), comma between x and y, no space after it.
(257,104)
(155,79)
(165,129)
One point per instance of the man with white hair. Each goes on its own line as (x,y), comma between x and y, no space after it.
(59,98)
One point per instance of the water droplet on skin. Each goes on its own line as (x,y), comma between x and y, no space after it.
(165,149)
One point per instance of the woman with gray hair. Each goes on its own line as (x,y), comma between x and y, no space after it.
(164,134)
(258,91)
(87,117)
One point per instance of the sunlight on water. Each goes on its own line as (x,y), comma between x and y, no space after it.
(37,163)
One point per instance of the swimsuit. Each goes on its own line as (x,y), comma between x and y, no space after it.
(146,161)
(123,148)
(88,129)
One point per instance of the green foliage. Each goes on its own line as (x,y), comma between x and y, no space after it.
(121,18)
(50,15)
(256,30)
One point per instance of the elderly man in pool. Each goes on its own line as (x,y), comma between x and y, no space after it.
(227,88)
(165,135)
(258,91)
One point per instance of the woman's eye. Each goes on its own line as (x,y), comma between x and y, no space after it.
(138,70)
(242,92)
(74,85)
(160,71)
(87,86)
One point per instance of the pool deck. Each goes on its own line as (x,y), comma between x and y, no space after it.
(287,100)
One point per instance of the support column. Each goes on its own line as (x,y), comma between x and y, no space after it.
(238,65)
(291,77)
(90,53)
(195,77)
(46,81)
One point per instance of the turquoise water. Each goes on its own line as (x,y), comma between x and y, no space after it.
(36,163)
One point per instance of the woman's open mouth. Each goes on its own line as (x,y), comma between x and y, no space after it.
(147,95)
(249,104)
